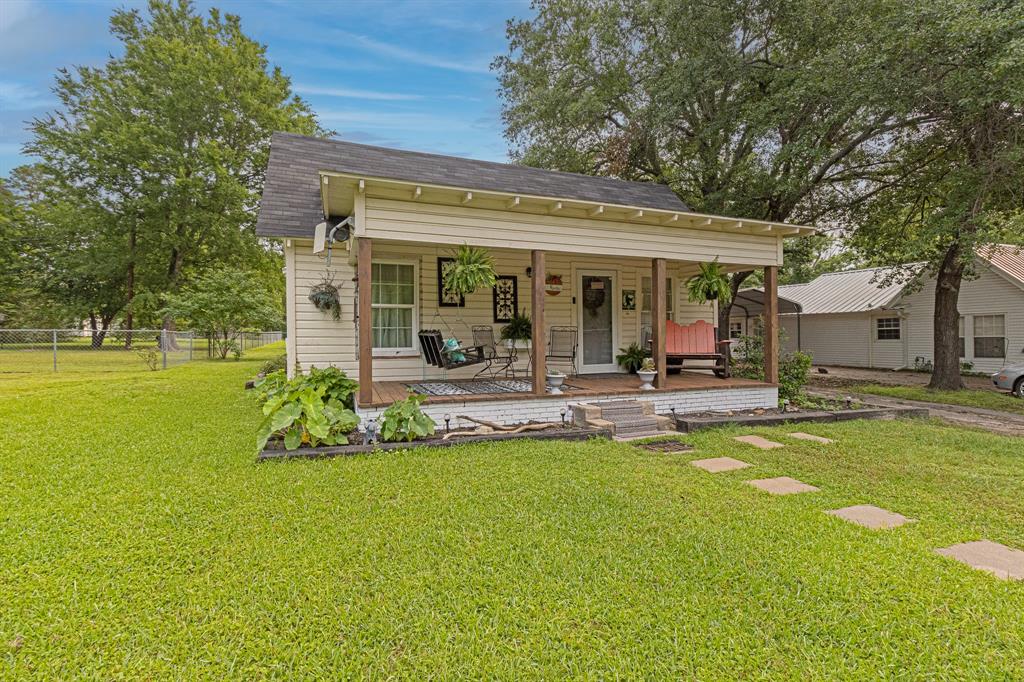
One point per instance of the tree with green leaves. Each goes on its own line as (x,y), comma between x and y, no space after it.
(222,304)
(760,109)
(955,186)
(170,140)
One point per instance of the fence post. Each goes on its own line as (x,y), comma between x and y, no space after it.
(191,337)
(163,345)
(54,350)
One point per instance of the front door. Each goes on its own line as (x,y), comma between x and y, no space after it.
(596,305)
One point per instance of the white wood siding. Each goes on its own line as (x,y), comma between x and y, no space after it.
(320,341)
(833,339)
(989,294)
(487,224)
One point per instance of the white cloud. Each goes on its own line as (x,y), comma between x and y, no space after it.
(390,120)
(353,94)
(416,57)
(19,97)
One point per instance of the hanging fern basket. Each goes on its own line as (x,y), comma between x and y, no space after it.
(325,296)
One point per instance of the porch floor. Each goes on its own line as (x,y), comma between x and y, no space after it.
(583,386)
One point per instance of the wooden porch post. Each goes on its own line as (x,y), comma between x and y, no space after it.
(658,315)
(771,324)
(538,348)
(364,260)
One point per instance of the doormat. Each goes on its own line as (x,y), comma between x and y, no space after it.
(476,387)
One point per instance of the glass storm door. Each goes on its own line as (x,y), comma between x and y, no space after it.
(596,305)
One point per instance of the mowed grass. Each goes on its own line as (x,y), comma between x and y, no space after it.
(990,400)
(139,539)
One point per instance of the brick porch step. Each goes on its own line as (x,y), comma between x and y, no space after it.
(625,418)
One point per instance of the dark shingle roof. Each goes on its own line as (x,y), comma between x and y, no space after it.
(291,196)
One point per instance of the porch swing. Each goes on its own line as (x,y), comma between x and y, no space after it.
(447,352)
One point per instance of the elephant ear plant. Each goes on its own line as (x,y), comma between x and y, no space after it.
(310,409)
(404,420)
(710,284)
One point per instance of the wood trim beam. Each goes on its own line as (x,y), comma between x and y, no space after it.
(538,347)
(658,315)
(364,271)
(771,324)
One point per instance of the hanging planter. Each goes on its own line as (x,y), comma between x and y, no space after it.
(710,284)
(325,297)
(471,269)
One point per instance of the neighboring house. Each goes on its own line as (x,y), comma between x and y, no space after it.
(571,250)
(852,318)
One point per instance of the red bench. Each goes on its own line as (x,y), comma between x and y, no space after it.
(697,341)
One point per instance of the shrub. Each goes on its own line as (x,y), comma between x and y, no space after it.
(404,420)
(794,368)
(276,364)
(222,304)
(150,356)
(309,409)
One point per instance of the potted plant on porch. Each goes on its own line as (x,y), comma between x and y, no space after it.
(518,332)
(555,379)
(647,372)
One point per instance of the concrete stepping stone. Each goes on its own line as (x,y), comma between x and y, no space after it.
(870,516)
(715,465)
(783,485)
(810,436)
(999,560)
(758,442)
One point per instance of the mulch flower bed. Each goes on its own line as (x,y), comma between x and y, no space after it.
(834,411)
(569,432)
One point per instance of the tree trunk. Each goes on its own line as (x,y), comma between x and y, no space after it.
(129,318)
(173,272)
(725,309)
(946,334)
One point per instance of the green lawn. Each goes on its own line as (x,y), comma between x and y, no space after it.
(969,398)
(138,539)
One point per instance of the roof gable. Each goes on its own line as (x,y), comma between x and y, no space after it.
(291,203)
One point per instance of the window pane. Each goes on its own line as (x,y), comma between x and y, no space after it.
(989,325)
(989,347)
(392,328)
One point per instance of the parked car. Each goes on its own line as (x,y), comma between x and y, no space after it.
(1011,378)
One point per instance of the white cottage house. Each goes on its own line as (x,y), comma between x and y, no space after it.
(595,262)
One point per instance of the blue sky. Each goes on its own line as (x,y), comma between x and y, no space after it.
(410,73)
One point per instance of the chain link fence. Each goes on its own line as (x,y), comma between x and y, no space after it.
(77,350)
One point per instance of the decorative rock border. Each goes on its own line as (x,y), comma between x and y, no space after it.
(343,450)
(687,424)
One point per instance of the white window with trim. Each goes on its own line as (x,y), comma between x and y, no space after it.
(735,329)
(989,336)
(645,301)
(394,303)
(961,340)
(887,328)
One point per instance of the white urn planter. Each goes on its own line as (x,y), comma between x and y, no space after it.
(518,344)
(647,379)
(555,381)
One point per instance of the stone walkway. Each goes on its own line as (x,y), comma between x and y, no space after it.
(999,560)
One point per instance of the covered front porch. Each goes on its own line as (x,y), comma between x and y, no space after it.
(576,388)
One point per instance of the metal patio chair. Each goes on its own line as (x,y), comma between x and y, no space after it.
(563,345)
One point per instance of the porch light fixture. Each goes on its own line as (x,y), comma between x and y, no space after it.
(529,271)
